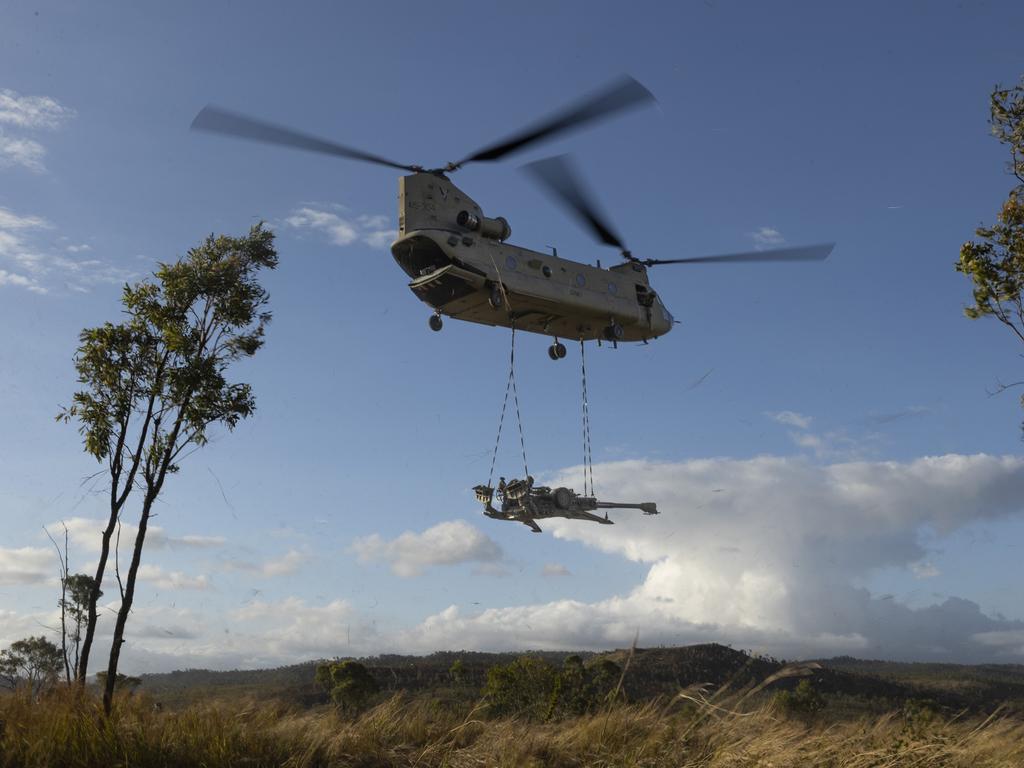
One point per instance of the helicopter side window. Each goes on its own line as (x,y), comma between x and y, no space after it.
(613,288)
(510,262)
(580,281)
(644,295)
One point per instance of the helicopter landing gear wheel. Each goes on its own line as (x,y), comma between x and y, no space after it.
(435,322)
(496,299)
(614,332)
(557,351)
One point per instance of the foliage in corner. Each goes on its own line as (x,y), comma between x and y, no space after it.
(995,263)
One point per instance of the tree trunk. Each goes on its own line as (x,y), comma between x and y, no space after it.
(126,603)
(90,626)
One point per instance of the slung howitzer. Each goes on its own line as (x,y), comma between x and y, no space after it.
(522,501)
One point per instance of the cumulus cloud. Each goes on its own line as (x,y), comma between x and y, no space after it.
(341,228)
(293,629)
(765,553)
(26,565)
(285,565)
(84,533)
(832,444)
(172,579)
(767,236)
(447,543)
(554,569)
(771,562)
(9,220)
(790,418)
(924,570)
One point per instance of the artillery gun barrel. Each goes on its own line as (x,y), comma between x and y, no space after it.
(647,507)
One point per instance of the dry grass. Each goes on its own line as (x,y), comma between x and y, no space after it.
(66,729)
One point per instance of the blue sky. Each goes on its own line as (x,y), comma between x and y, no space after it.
(339,519)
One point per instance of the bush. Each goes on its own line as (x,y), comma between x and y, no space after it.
(520,689)
(349,683)
(804,700)
(536,690)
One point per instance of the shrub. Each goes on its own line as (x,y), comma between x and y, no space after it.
(349,683)
(804,700)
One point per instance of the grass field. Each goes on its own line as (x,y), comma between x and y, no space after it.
(67,728)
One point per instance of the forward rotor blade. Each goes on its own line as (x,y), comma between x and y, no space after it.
(560,179)
(800,253)
(623,94)
(215,120)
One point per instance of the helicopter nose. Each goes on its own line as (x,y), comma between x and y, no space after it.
(662,321)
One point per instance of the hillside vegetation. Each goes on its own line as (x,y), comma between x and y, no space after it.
(705,706)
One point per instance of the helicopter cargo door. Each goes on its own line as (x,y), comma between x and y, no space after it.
(447,284)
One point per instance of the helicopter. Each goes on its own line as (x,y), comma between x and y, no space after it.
(461,263)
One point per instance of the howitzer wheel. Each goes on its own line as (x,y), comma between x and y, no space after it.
(563,498)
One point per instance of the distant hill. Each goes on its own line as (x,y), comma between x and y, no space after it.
(651,672)
(974,685)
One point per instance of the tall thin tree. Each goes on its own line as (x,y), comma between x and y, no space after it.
(155,384)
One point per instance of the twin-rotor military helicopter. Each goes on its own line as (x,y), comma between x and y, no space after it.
(461,263)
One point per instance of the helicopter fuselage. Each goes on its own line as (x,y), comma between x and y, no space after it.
(462,267)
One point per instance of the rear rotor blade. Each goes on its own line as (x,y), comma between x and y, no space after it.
(623,94)
(215,120)
(558,176)
(799,253)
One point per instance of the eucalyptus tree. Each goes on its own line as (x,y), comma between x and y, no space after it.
(995,264)
(34,662)
(154,384)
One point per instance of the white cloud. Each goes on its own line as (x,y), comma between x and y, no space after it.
(764,553)
(12,278)
(24,152)
(447,543)
(555,569)
(78,248)
(172,579)
(341,230)
(806,440)
(770,563)
(32,111)
(282,566)
(381,238)
(39,267)
(9,220)
(27,565)
(292,629)
(790,418)
(924,570)
(27,113)
(85,533)
(767,236)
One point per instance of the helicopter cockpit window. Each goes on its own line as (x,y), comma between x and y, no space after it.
(645,296)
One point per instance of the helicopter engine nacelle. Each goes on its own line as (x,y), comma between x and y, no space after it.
(495,229)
